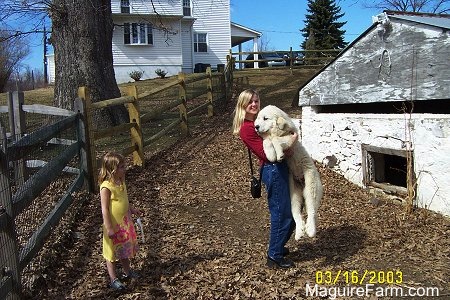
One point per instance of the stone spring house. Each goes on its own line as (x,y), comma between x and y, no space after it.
(171,35)
(386,93)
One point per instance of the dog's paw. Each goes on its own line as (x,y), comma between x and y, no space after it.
(299,233)
(311,229)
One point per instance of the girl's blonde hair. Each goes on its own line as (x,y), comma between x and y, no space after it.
(239,112)
(110,163)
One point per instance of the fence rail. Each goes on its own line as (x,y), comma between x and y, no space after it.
(18,149)
(288,59)
(15,258)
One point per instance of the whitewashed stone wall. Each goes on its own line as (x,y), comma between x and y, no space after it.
(341,135)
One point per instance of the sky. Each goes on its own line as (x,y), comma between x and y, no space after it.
(279,22)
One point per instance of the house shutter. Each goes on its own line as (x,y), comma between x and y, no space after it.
(150,34)
(126,33)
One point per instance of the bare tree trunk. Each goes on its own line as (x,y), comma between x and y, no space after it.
(82,41)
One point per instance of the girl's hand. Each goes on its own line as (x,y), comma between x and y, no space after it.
(111,233)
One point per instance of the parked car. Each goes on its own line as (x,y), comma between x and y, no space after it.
(261,64)
(298,58)
(275,60)
(270,60)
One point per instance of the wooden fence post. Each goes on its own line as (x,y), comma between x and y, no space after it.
(16,114)
(10,285)
(292,60)
(233,60)
(135,132)
(18,128)
(182,106)
(229,77)
(82,136)
(226,77)
(209,95)
(90,160)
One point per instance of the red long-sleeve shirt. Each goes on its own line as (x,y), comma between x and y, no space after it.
(252,140)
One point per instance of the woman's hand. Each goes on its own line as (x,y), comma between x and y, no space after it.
(290,151)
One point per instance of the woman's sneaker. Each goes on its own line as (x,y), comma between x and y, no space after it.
(117,285)
(282,263)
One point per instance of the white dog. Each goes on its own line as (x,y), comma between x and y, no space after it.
(276,127)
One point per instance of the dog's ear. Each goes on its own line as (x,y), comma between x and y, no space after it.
(281,123)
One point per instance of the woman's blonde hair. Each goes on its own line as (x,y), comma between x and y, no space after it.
(239,112)
(110,163)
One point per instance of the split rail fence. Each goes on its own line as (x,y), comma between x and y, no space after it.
(31,162)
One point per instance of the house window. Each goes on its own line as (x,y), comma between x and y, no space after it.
(200,44)
(385,168)
(138,33)
(125,6)
(186,7)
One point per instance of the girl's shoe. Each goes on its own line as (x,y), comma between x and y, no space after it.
(117,285)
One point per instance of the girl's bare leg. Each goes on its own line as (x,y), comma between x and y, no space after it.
(111,270)
(125,265)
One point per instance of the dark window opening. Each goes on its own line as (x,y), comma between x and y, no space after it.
(186,7)
(137,33)
(200,42)
(125,6)
(424,106)
(385,168)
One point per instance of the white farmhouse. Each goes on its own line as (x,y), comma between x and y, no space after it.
(384,97)
(171,35)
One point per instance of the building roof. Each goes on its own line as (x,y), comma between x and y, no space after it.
(241,34)
(437,20)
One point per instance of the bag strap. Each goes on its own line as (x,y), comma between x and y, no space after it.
(251,165)
(250,161)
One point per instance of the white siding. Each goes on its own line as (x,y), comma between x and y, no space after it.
(51,68)
(162,7)
(171,52)
(213,18)
(187,49)
(165,53)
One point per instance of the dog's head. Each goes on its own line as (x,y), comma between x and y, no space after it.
(272,121)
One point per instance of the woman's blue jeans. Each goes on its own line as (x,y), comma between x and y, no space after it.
(276,179)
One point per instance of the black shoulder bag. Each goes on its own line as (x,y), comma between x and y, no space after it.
(255,183)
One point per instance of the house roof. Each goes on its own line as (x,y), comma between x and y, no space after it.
(241,34)
(436,20)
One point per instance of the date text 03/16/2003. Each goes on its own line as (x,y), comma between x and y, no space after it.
(359,277)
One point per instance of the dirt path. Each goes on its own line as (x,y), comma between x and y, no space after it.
(207,238)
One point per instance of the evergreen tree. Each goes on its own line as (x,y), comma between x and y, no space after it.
(322,24)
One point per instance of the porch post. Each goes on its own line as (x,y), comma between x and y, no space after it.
(255,55)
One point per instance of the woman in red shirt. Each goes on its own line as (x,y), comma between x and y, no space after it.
(274,176)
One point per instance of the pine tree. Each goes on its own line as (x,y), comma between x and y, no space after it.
(322,23)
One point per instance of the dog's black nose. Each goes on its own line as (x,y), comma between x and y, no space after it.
(256,127)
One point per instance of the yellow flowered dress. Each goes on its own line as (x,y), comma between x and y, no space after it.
(124,243)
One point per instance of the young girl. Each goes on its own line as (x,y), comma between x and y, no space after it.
(119,235)
(274,176)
